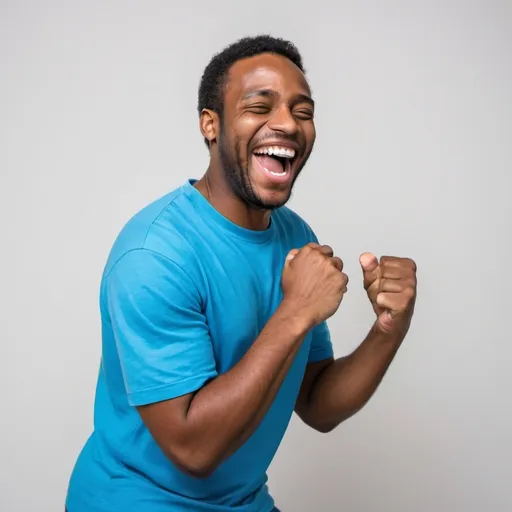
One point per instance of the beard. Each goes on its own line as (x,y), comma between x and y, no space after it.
(238,176)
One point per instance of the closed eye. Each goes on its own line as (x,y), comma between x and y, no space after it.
(304,114)
(259,109)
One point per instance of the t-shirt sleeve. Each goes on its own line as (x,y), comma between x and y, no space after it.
(321,345)
(160,331)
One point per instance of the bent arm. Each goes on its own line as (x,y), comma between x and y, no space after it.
(334,390)
(199,430)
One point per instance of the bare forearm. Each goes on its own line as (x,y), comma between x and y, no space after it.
(345,386)
(197,431)
(224,414)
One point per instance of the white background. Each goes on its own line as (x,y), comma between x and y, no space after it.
(413,158)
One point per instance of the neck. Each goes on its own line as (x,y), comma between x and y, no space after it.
(215,188)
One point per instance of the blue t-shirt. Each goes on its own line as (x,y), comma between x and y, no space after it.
(184,294)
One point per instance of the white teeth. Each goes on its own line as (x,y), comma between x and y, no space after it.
(276,151)
(275,173)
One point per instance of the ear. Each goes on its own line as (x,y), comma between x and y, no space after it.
(209,124)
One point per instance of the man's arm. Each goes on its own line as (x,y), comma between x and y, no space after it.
(196,416)
(199,430)
(334,390)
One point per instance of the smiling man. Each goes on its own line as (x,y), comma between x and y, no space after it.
(214,303)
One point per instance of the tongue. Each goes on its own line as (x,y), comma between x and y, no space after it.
(270,163)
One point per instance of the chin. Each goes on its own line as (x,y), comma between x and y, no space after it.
(270,200)
(265,195)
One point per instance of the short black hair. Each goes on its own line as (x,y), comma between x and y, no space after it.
(214,76)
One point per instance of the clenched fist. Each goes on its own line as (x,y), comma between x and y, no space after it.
(391,287)
(313,282)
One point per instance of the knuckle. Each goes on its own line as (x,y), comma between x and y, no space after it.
(409,293)
(334,273)
(318,256)
(307,248)
(388,261)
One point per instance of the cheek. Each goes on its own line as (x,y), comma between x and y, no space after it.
(249,125)
(310,133)
(248,131)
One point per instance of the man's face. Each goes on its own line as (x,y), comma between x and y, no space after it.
(267,130)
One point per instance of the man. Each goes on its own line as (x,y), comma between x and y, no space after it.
(214,303)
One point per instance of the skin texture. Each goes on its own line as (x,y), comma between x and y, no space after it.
(200,430)
(334,390)
(267,98)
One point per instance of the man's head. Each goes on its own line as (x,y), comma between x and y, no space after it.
(256,115)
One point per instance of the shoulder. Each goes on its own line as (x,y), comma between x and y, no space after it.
(153,249)
(148,283)
(159,228)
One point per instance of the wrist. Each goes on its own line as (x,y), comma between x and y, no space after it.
(293,316)
(395,336)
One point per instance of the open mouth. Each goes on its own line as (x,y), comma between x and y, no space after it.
(276,161)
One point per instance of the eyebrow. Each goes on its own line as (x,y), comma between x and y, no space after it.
(298,98)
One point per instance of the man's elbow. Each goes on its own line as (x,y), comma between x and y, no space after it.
(195,463)
(198,471)
(326,425)
(323,428)
(201,469)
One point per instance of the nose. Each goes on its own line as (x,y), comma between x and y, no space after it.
(283,121)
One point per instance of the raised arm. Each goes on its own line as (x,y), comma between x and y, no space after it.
(334,390)
(197,417)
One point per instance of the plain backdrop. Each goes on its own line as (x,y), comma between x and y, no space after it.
(413,158)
